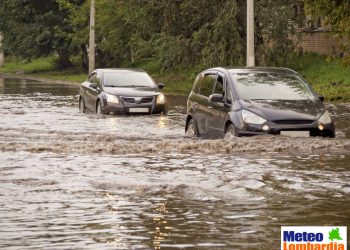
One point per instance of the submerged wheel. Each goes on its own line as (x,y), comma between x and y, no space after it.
(191,130)
(81,105)
(230,132)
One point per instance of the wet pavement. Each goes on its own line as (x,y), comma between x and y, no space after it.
(77,181)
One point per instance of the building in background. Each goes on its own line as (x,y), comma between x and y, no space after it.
(313,36)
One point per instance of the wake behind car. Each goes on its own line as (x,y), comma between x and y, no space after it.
(121,91)
(228,102)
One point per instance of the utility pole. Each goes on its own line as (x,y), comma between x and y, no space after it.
(2,60)
(250,34)
(92,38)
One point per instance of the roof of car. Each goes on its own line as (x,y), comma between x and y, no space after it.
(120,70)
(255,69)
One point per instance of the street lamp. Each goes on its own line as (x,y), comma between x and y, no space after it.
(250,34)
(92,38)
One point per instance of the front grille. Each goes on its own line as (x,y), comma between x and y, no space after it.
(147,99)
(293,122)
(128,99)
(138,100)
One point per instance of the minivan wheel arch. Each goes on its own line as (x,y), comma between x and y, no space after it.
(189,118)
(98,102)
(228,123)
(193,118)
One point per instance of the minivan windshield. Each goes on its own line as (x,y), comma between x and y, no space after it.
(271,86)
(127,79)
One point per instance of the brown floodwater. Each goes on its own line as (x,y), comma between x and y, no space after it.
(77,181)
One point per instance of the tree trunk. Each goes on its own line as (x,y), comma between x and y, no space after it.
(84,57)
(63,59)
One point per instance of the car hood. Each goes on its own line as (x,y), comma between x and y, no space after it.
(138,91)
(285,109)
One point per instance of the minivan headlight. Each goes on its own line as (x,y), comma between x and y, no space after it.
(249,117)
(160,99)
(111,98)
(325,118)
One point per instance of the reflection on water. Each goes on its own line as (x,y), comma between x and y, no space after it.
(73,181)
(174,200)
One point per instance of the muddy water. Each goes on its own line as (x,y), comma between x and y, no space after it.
(75,181)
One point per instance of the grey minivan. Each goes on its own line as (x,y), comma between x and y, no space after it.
(227,102)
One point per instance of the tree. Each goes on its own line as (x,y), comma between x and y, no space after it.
(35,28)
(175,33)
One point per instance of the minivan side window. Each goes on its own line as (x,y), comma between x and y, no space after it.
(229,97)
(92,78)
(219,86)
(197,84)
(207,85)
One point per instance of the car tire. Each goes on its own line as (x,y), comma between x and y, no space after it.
(191,130)
(81,105)
(230,132)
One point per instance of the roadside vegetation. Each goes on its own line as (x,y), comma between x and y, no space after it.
(172,40)
(328,76)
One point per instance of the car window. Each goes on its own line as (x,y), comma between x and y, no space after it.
(97,80)
(92,78)
(127,79)
(197,83)
(207,85)
(219,86)
(229,97)
(271,86)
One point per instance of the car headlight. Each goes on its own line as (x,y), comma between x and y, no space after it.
(111,98)
(160,99)
(249,117)
(325,118)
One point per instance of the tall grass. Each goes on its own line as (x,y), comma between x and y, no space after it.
(328,76)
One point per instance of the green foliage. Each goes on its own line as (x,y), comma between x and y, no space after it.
(34,28)
(274,31)
(178,34)
(328,76)
(14,65)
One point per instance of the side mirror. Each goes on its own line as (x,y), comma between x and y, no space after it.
(216,98)
(321,97)
(93,85)
(161,85)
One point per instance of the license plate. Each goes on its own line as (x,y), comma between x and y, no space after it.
(296,133)
(139,110)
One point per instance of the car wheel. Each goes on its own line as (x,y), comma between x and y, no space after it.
(81,105)
(230,132)
(191,130)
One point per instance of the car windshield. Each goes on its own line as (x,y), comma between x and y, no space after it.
(127,79)
(271,86)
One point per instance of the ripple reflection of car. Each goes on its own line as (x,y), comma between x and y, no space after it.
(121,91)
(251,101)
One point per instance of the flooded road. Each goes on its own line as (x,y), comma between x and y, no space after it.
(75,181)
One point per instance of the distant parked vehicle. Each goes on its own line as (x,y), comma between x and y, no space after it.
(121,91)
(251,101)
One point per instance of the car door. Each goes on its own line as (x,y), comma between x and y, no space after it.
(203,111)
(93,92)
(217,110)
